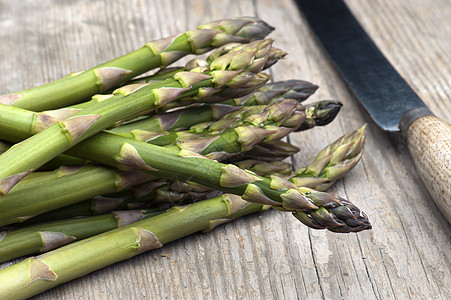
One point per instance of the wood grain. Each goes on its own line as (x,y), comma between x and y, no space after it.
(429,143)
(270,255)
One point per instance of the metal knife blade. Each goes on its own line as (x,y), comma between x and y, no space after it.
(376,84)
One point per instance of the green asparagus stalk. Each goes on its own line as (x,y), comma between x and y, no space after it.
(333,162)
(265,168)
(160,53)
(61,188)
(183,119)
(178,119)
(25,157)
(137,197)
(44,237)
(272,92)
(60,160)
(37,274)
(275,55)
(315,114)
(200,64)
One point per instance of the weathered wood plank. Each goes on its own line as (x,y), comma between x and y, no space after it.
(268,255)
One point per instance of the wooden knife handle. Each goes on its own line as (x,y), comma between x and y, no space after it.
(429,143)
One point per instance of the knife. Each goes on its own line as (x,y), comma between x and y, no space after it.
(388,99)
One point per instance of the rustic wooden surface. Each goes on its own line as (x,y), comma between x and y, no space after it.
(270,255)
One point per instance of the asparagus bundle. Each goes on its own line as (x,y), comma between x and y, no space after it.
(160,156)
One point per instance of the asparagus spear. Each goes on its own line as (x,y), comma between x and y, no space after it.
(333,162)
(272,92)
(25,157)
(137,197)
(198,63)
(60,160)
(159,53)
(61,188)
(265,168)
(44,237)
(231,136)
(185,118)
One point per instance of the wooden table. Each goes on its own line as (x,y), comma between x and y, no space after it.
(269,255)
